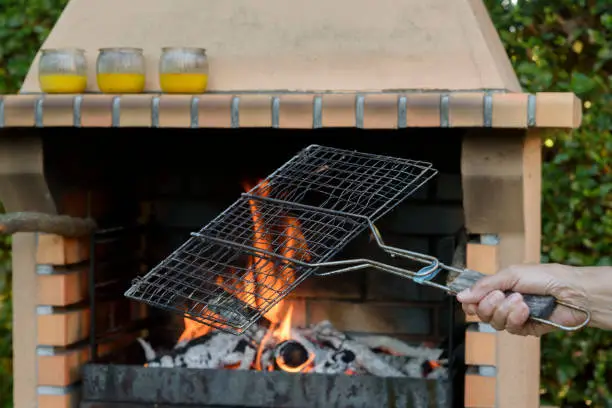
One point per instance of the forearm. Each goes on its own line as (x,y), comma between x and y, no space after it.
(597,285)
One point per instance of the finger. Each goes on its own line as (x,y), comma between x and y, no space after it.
(486,308)
(518,319)
(502,281)
(499,321)
(469,308)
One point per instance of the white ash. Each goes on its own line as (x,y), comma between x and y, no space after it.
(334,353)
(150,354)
(342,361)
(248,356)
(399,347)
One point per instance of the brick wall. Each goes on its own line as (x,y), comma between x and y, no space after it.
(64,317)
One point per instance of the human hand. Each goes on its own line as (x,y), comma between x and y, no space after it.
(487,300)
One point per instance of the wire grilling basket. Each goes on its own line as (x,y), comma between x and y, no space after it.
(288,227)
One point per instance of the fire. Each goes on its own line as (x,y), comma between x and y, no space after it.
(193,330)
(264,280)
(257,285)
(300,359)
(284,330)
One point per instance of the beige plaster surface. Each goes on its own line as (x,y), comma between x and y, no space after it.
(317,45)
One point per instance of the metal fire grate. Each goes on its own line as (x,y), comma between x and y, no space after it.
(236,268)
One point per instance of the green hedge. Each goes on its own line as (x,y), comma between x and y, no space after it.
(564,45)
(6,323)
(23,27)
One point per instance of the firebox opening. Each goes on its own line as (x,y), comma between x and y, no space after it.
(148,193)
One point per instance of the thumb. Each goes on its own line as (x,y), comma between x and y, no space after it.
(504,280)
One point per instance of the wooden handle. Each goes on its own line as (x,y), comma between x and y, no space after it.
(539,306)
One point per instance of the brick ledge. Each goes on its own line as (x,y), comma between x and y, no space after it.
(295,111)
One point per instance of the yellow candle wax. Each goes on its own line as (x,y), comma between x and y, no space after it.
(63,83)
(189,83)
(121,83)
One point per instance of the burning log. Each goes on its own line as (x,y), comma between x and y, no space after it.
(64,225)
(292,356)
(364,357)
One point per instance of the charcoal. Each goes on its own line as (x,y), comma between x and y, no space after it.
(329,351)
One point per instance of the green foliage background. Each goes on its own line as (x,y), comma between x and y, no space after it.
(24,25)
(565,45)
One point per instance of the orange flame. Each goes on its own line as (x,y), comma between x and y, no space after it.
(283,333)
(263,281)
(193,330)
(284,330)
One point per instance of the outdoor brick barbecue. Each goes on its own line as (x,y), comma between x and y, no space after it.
(425,81)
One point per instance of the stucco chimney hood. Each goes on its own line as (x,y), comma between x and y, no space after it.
(445,54)
(319,45)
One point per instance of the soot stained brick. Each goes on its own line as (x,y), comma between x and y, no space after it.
(432,219)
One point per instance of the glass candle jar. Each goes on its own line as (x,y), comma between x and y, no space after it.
(62,70)
(121,70)
(183,70)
